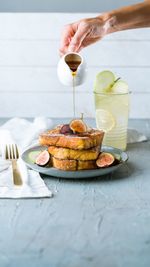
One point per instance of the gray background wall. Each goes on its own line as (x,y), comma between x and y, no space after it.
(62,5)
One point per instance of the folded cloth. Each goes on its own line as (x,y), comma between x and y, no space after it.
(23,133)
(135,137)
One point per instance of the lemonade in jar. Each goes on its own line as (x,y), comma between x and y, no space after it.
(112,108)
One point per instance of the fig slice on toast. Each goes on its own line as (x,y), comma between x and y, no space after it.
(78,126)
(65,129)
(105,159)
(43,158)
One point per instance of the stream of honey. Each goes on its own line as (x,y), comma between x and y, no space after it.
(73,65)
(73,88)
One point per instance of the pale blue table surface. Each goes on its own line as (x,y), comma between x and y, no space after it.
(101,222)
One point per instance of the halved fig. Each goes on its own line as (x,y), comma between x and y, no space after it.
(78,126)
(65,129)
(43,158)
(105,159)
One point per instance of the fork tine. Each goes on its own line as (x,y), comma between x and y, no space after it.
(6,152)
(14,151)
(10,152)
(17,151)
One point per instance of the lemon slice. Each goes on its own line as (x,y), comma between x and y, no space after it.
(33,155)
(104,81)
(120,87)
(105,120)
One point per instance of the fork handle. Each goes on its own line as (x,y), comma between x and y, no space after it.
(16,173)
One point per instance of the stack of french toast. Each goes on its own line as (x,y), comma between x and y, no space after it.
(73,146)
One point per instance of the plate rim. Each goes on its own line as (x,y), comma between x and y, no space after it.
(71,174)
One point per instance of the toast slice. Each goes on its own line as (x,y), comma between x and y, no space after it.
(67,153)
(79,141)
(73,165)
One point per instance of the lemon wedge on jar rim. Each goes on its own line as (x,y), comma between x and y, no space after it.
(104,81)
(119,87)
(105,120)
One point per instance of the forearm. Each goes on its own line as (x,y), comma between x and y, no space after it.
(131,17)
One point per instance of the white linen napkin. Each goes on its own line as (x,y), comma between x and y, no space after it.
(23,133)
(135,136)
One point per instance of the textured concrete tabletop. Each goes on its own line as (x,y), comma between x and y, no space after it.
(103,222)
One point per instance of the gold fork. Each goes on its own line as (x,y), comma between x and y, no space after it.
(12,154)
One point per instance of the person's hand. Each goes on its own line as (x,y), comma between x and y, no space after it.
(82,33)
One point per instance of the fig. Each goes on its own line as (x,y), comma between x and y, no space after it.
(78,126)
(105,159)
(43,158)
(65,129)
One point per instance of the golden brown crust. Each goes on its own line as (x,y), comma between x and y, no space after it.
(67,153)
(73,165)
(77,141)
(86,165)
(63,164)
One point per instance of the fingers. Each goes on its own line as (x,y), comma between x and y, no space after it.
(66,36)
(72,37)
(78,38)
(83,33)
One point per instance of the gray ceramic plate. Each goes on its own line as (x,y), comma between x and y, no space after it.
(30,154)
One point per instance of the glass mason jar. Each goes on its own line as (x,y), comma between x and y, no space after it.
(112,112)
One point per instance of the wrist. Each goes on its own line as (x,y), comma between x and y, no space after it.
(109,21)
(129,17)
